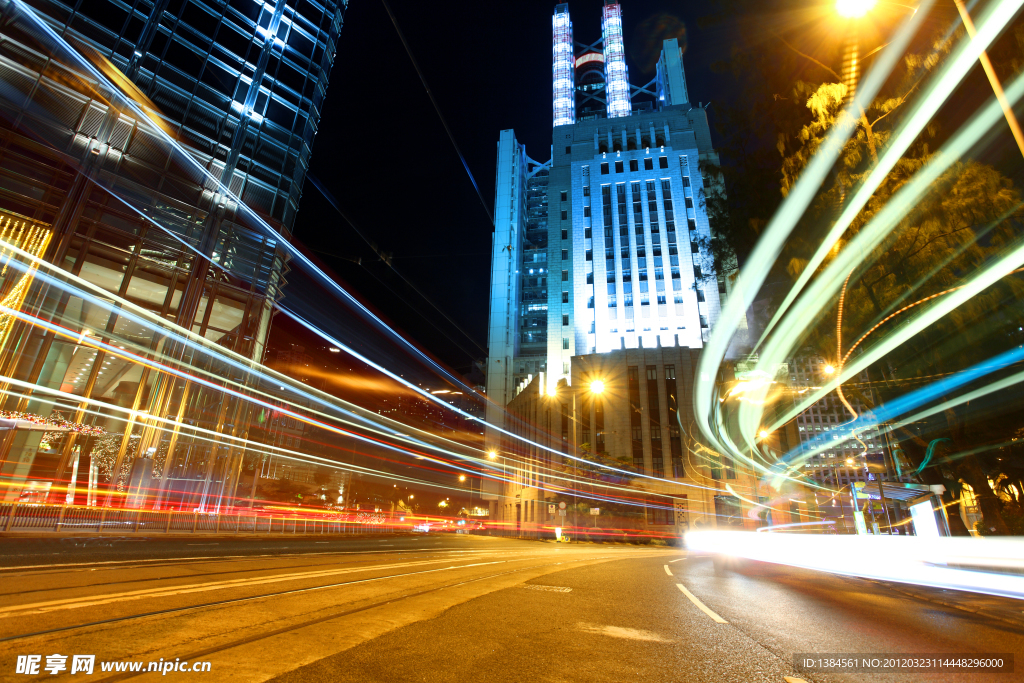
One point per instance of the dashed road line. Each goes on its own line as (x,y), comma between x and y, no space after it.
(667,571)
(703,608)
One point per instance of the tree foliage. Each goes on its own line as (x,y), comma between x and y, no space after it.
(970,216)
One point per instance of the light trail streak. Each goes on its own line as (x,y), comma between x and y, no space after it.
(785,338)
(924,110)
(993,79)
(124,102)
(769,247)
(992,566)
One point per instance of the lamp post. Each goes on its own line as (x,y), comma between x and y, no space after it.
(596,388)
(852,10)
(493,455)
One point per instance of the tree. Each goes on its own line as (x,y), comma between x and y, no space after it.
(971,215)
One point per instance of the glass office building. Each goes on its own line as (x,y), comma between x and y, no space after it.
(154,152)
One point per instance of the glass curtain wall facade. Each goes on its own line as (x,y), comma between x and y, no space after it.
(121,125)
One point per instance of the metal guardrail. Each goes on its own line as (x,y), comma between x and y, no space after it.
(32,517)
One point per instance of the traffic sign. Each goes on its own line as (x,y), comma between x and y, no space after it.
(561,506)
(551,509)
(562,512)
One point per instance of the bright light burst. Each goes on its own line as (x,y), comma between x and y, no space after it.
(852,9)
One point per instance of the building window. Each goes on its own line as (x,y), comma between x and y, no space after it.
(697,272)
(694,249)
(648,164)
(700,295)
(587,233)
(659,273)
(689,203)
(652,206)
(565,195)
(686,181)
(590,255)
(590,278)
(703,321)
(565,234)
(590,303)
(586,211)
(693,224)
(565,254)
(634,165)
(568,149)
(604,168)
(565,215)
(618,167)
(662,162)
(565,320)
(586,190)
(661,298)
(565,343)
(565,297)
(565,276)
(670,219)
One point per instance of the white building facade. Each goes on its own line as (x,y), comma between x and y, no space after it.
(599,248)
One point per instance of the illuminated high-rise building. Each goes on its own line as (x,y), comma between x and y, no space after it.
(154,151)
(599,248)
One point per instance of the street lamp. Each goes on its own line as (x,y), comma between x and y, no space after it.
(854,9)
(462,477)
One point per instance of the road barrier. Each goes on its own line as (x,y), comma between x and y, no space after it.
(71,519)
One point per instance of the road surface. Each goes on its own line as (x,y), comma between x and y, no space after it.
(457,608)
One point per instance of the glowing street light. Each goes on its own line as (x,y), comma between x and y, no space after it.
(493,455)
(763,434)
(597,386)
(828,369)
(854,9)
(462,477)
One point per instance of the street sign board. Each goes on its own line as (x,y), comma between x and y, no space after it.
(562,512)
(551,509)
(595,511)
(561,506)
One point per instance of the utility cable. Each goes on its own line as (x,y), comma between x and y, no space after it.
(359,262)
(437,108)
(386,258)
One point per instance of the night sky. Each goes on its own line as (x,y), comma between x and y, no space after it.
(383,152)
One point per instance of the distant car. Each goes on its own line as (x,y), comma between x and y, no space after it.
(425,527)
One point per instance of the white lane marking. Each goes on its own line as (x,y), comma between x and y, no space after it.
(793,679)
(318,542)
(703,608)
(202,544)
(620,632)
(667,570)
(553,589)
(679,560)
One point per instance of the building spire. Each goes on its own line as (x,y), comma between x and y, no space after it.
(562,67)
(616,74)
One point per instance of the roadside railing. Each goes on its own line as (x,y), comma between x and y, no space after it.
(71,519)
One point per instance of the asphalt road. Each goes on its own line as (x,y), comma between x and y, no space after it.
(458,608)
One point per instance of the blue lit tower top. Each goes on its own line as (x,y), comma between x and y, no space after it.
(616,74)
(562,66)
